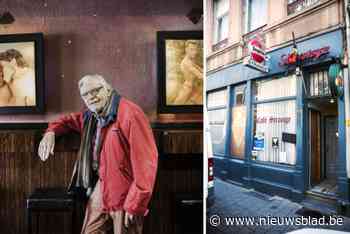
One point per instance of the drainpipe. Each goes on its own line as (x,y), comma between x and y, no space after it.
(346,86)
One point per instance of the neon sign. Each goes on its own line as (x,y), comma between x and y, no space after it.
(292,58)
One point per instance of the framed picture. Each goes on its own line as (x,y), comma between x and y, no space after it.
(180,71)
(21,74)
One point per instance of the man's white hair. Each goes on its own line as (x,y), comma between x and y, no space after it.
(95,77)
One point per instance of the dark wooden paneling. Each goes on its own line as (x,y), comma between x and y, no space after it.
(182,142)
(21,171)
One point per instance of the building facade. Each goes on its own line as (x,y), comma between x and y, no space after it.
(281,130)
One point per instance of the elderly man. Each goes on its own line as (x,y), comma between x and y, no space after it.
(117,160)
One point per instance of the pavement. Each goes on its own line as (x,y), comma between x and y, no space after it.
(234,207)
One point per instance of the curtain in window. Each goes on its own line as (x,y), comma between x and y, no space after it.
(275,88)
(216,105)
(258,14)
(271,121)
(221,9)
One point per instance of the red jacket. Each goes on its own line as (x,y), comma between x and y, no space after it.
(128,160)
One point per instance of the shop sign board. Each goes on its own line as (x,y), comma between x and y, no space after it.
(257,58)
(310,55)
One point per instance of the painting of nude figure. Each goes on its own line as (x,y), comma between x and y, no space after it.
(184,75)
(181,72)
(17,78)
(20,77)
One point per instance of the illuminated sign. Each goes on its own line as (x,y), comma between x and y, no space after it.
(292,58)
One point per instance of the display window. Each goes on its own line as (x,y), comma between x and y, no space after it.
(217,109)
(274,128)
(275,88)
(238,123)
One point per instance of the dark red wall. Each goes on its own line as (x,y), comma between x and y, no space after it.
(116,39)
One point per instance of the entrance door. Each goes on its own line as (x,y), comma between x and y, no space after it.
(331,147)
(323,128)
(315,150)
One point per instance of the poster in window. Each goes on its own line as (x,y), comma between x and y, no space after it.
(238,131)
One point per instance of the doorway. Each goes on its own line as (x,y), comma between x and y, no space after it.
(323,143)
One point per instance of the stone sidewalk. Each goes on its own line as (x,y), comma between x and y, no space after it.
(235,201)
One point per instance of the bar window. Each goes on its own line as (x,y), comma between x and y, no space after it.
(275,88)
(319,85)
(272,122)
(238,125)
(274,115)
(217,109)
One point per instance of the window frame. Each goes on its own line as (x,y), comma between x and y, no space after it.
(230,109)
(307,78)
(291,2)
(252,120)
(216,25)
(219,107)
(248,11)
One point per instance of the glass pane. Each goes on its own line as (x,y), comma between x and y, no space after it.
(316,84)
(312,92)
(258,14)
(326,87)
(275,88)
(223,29)
(217,98)
(217,116)
(221,7)
(239,95)
(217,123)
(320,83)
(271,122)
(239,114)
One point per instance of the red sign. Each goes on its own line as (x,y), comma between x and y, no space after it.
(291,58)
(256,51)
(257,57)
(271,119)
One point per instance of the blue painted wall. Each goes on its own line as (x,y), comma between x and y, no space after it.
(238,72)
(286,181)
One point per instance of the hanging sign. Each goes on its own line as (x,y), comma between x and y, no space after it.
(257,58)
(336,80)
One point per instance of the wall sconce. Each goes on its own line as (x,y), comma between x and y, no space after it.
(195,15)
(6,18)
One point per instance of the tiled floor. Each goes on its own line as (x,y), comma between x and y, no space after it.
(328,187)
(235,201)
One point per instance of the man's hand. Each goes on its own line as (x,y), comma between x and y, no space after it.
(128,219)
(46,146)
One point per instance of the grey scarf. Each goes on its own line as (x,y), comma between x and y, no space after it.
(83,173)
